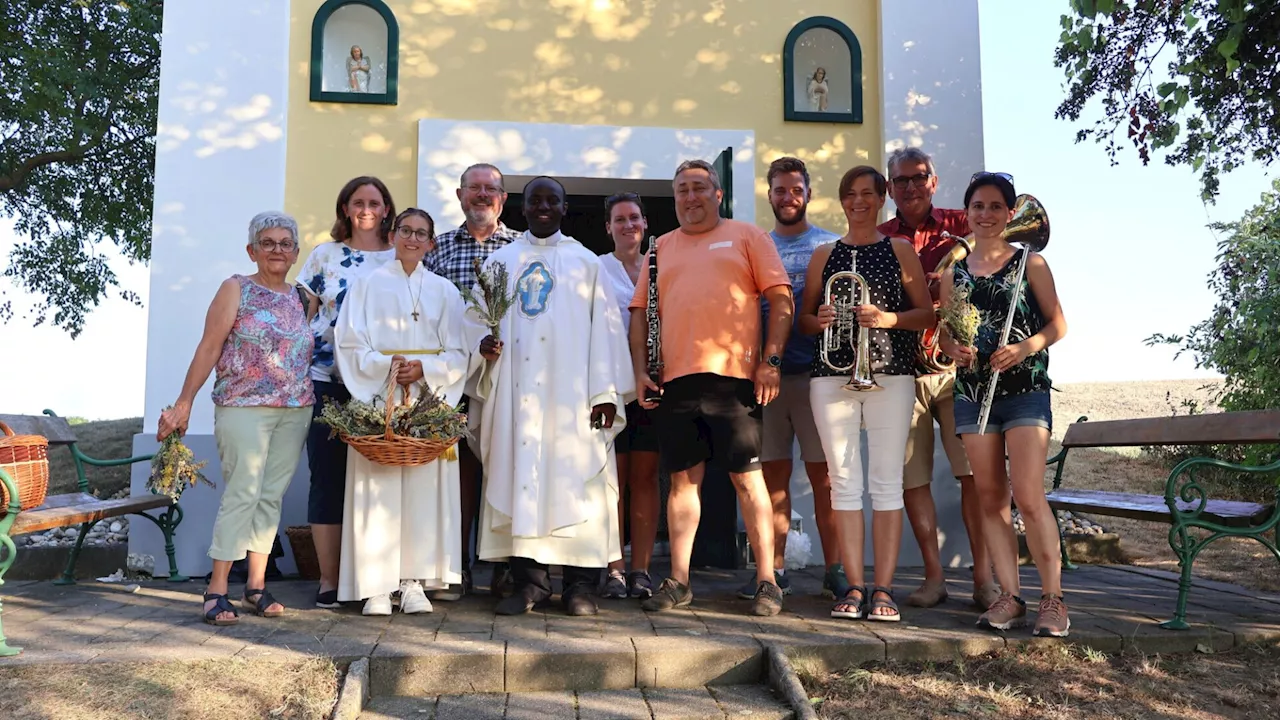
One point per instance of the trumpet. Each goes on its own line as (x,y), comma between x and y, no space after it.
(929,354)
(843,329)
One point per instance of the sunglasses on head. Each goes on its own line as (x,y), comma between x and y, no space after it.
(979,175)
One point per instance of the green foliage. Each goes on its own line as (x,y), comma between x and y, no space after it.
(79,82)
(1240,339)
(1215,103)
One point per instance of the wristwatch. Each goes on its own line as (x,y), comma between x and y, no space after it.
(774,361)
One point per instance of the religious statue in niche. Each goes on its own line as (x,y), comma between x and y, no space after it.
(818,90)
(358,70)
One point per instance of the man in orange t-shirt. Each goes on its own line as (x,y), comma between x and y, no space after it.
(712,273)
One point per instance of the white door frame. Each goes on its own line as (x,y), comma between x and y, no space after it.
(447,147)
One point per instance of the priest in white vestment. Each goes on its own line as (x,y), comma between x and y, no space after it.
(400,524)
(555,389)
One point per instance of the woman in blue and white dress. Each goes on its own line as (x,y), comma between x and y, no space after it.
(361,234)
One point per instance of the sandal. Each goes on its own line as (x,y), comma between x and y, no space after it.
(877,604)
(264,601)
(221,606)
(859,608)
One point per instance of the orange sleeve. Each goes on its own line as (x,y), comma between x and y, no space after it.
(766,263)
(640,299)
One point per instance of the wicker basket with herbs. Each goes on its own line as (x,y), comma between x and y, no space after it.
(404,433)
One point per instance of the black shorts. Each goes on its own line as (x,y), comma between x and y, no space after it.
(709,418)
(640,435)
(327,459)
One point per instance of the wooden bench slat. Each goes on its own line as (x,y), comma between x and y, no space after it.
(63,515)
(58,430)
(1231,513)
(1244,428)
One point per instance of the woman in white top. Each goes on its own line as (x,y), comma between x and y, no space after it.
(818,90)
(636,448)
(361,244)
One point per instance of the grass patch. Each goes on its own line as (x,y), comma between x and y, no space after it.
(100,440)
(1057,682)
(226,689)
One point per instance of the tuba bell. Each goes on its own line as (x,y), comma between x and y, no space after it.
(930,355)
(844,330)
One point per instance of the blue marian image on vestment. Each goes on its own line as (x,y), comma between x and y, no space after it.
(533,289)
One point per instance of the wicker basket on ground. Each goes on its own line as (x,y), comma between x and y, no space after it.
(397,450)
(304,551)
(26,459)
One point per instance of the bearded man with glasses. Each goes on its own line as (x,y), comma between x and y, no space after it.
(912,184)
(482,195)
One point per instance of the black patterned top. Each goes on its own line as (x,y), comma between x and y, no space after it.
(892,351)
(990,294)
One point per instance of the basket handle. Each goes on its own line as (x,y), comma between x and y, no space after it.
(391,396)
(8,431)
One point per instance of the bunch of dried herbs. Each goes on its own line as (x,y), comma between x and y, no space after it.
(174,468)
(428,418)
(961,316)
(495,294)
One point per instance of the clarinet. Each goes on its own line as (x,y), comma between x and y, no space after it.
(654,337)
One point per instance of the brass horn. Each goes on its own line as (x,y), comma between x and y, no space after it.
(930,355)
(845,330)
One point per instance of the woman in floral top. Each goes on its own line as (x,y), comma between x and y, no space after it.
(257,340)
(1021,416)
(361,243)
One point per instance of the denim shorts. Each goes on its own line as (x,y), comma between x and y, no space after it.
(1032,409)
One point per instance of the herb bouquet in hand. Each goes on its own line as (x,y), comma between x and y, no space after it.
(398,434)
(961,317)
(495,295)
(174,468)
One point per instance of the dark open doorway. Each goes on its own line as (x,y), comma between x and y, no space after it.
(585,221)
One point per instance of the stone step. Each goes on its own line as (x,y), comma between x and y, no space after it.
(716,702)
(451,665)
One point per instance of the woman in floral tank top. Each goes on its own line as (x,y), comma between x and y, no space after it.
(1021,415)
(257,341)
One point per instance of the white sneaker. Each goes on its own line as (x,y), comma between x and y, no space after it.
(378,605)
(412,598)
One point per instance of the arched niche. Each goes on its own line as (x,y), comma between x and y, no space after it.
(822,72)
(355,53)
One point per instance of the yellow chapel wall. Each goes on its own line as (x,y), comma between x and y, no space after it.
(669,63)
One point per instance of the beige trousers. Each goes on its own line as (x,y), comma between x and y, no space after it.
(259,448)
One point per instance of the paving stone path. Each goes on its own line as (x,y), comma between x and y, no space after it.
(463,648)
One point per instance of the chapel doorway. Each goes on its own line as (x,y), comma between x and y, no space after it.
(585,221)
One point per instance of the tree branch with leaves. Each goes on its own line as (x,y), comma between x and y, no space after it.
(1197,79)
(79,86)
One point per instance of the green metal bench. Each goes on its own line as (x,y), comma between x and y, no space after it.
(78,508)
(1185,505)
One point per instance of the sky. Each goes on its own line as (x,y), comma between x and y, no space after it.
(1130,250)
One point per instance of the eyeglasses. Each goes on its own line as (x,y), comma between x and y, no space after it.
(979,175)
(284,246)
(406,232)
(490,189)
(918,180)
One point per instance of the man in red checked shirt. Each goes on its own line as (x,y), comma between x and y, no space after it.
(912,183)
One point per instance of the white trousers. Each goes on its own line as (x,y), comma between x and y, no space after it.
(886,413)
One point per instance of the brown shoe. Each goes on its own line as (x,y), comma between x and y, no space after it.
(986,595)
(928,595)
(1051,618)
(768,600)
(1005,613)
